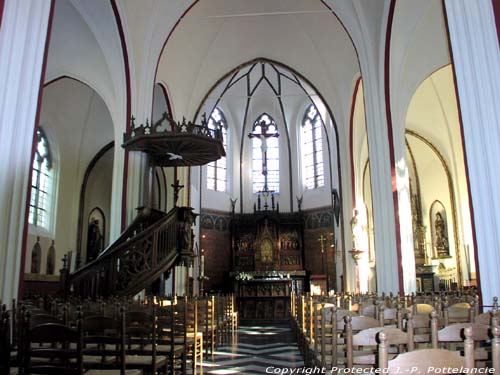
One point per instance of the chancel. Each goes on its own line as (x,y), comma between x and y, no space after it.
(219,174)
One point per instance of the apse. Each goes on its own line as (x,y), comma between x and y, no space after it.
(301,147)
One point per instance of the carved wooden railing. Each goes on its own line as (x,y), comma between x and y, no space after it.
(176,144)
(136,259)
(184,127)
(146,217)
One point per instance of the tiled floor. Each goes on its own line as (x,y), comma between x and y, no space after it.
(259,349)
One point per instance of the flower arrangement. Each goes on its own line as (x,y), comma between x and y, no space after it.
(243,276)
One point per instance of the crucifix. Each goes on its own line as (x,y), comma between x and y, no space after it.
(177,187)
(263,135)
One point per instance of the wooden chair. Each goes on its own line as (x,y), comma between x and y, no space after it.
(419,328)
(421,309)
(53,348)
(451,337)
(223,320)
(187,326)
(453,333)
(363,351)
(358,323)
(38,319)
(390,316)
(327,354)
(170,337)
(140,341)
(458,313)
(425,361)
(360,348)
(495,349)
(351,325)
(314,338)
(103,343)
(306,327)
(206,323)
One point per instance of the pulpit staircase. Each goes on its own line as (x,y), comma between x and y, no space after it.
(155,241)
(149,247)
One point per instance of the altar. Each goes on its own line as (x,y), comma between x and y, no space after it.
(267,263)
(263,299)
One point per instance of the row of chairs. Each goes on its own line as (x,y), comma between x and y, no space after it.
(331,336)
(150,336)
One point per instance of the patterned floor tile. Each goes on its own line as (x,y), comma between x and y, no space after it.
(253,350)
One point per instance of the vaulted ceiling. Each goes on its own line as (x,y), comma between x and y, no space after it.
(189,45)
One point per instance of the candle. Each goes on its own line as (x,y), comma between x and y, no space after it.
(202,265)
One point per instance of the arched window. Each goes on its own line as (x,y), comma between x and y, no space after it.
(217,170)
(312,149)
(41,183)
(265,154)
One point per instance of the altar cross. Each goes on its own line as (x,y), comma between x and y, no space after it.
(263,135)
(322,240)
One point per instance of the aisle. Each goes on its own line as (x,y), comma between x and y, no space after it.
(256,350)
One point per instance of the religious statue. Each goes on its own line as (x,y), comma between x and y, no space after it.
(51,260)
(233,204)
(36,256)
(94,240)
(299,202)
(354,230)
(266,251)
(336,205)
(441,237)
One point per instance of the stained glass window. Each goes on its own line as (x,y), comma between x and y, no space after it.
(41,183)
(217,170)
(312,149)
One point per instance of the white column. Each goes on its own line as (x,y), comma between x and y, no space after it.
(195,202)
(406,226)
(117,191)
(404,205)
(137,166)
(22,44)
(386,258)
(476,58)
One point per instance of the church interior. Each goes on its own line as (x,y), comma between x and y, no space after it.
(248,176)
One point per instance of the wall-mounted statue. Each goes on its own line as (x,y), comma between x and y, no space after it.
(355,230)
(95,234)
(440,240)
(94,240)
(51,260)
(36,257)
(442,246)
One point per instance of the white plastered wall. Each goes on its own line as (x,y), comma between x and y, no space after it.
(76,133)
(22,43)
